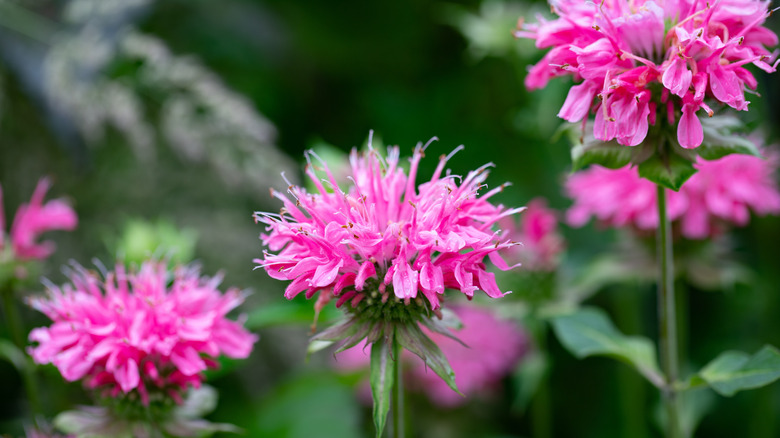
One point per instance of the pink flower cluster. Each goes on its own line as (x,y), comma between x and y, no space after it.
(538,230)
(145,330)
(387,231)
(35,218)
(622,51)
(494,347)
(722,191)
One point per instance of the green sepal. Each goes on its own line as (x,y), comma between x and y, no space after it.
(413,339)
(339,331)
(734,371)
(720,139)
(443,327)
(589,332)
(609,154)
(382,380)
(348,332)
(670,171)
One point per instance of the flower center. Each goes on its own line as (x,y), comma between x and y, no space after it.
(381,304)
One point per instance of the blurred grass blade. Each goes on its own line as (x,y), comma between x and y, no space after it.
(14,355)
(527,378)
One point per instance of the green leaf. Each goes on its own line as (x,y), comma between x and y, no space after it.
(670,173)
(593,151)
(347,332)
(734,371)
(413,339)
(589,332)
(719,140)
(141,238)
(615,267)
(694,405)
(382,379)
(339,331)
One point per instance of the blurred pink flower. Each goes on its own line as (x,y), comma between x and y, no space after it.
(538,232)
(35,218)
(387,232)
(722,191)
(494,347)
(43,431)
(624,52)
(150,330)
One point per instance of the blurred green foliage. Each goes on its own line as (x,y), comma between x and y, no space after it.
(328,72)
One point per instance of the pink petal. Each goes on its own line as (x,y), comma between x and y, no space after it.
(188,361)
(404,279)
(127,375)
(367,270)
(578,102)
(677,77)
(689,132)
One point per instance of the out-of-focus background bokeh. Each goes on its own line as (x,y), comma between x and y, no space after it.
(169,121)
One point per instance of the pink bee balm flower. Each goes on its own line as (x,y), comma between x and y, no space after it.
(35,218)
(493,348)
(538,230)
(385,234)
(722,191)
(639,57)
(150,330)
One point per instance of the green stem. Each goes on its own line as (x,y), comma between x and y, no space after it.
(18,337)
(398,391)
(681,297)
(540,411)
(541,425)
(631,387)
(14,323)
(667,319)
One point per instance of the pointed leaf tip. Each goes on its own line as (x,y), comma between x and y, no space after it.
(734,371)
(414,340)
(670,173)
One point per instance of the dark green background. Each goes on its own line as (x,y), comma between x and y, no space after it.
(330,72)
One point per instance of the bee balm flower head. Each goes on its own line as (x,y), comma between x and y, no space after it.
(35,218)
(642,57)
(150,331)
(387,248)
(385,236)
